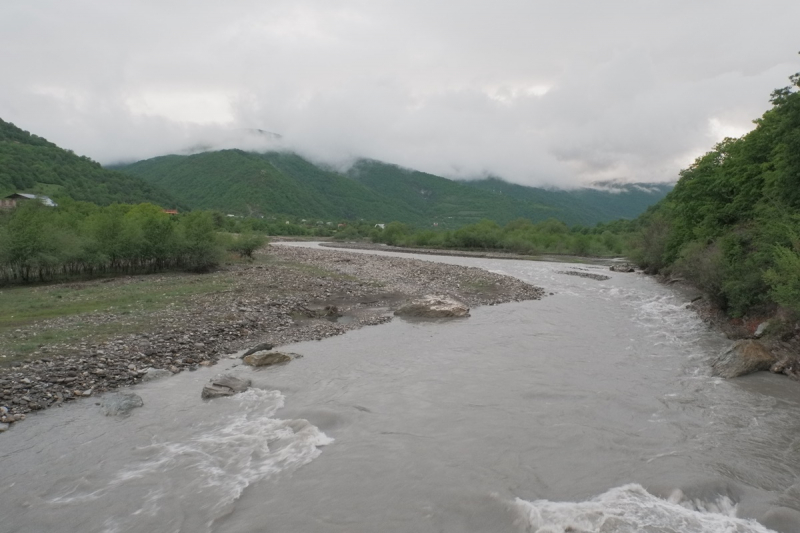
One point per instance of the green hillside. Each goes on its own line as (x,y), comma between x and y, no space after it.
(448,202)
(586,206)
(246,183)
(29,163)
(732,223)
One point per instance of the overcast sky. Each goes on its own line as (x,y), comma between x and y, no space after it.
(559,92)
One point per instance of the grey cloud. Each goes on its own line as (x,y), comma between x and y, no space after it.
(451,87)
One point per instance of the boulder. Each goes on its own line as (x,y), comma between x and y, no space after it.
(155,373)
(121,403)
(433,307)
(743,357)
(224,385)
(264,346)
(623,267)
(761,329)
(264,358)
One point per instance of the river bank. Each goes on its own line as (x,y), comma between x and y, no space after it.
(776,333)
(288,295)
(559,258)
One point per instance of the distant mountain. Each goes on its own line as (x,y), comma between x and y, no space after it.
(248,183)
(29,163)
(603,202)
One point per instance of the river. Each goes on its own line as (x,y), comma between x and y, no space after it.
(591,410)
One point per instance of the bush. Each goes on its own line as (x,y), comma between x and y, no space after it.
(703,265)
(784,278)
(247,243)
(652,244)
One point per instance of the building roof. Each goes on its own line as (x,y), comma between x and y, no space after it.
(46,200)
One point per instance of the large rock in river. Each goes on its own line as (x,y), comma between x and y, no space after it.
(224,385)
(264,358)
(743,357)
(433,307)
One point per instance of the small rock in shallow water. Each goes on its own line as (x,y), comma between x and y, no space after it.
(156,373)
(224,385)
(623,267)
(4,427)
(121,403)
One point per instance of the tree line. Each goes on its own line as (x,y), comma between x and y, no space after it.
(80,239)
(731,225)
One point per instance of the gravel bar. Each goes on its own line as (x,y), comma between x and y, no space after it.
(299,294)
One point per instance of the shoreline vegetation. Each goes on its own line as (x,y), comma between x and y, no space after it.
(731,225)
(64,341)
(79,240)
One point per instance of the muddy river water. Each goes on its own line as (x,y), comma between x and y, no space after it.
(591,410)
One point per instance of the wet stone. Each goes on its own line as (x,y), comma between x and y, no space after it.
(224,385)
(121,403)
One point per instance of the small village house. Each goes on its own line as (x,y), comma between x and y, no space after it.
(13,200)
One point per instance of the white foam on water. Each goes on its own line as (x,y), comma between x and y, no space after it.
(250,446)
(631,509)
(214,465)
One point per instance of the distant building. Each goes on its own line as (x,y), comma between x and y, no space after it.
(12,200)
(170,211)
(382,226)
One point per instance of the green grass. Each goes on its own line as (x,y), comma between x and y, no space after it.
(133,300)
(24,305)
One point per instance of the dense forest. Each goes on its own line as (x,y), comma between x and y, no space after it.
(250,184)
(29,163)
(253,184)
(732,223)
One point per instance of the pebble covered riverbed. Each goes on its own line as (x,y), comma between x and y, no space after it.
(300,295)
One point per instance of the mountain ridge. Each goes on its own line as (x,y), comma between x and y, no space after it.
(253,183)
(29,163)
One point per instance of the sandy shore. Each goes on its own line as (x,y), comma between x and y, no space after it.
(303,294)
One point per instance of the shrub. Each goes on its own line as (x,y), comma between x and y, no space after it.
(784,278)
(247,243)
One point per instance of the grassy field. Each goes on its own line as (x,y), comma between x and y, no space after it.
(39,315)
(39,319)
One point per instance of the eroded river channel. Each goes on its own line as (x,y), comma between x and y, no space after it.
(591,410)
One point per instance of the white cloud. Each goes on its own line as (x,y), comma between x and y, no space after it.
(546,92)
(183,106)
